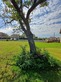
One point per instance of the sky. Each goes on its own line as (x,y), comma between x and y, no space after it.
(46,21)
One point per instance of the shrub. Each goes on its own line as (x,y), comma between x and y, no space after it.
(36,62)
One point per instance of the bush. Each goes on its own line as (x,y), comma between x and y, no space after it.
(36,62)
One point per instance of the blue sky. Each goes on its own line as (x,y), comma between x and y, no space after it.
(46,21)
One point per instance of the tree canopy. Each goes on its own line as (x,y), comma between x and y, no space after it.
(15,8)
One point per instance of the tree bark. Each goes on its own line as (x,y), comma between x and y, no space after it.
(31,42)
(29,37)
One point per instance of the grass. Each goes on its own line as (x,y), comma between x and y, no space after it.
(53,48)
(8,49)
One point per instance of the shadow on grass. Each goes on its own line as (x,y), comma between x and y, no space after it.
(41,76)
(19,75)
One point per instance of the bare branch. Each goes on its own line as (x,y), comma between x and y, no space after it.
(9,21)
(26,6)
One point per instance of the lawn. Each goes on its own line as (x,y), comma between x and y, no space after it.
(53,48)
(9,49)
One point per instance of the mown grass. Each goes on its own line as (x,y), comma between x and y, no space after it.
(53,48)
(9,49)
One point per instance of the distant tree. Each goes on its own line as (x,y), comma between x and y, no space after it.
(23,36)
(4,35)
(15,11)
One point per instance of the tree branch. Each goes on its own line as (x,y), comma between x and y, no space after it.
(15,5)
(26,6)
(21,4)
(22,27)
(18,9)
(9,21)
(34,6)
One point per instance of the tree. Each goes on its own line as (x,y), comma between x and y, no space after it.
(3,36)
(16,10)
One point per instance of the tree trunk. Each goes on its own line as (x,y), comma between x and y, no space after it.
(31,42)
(29,37)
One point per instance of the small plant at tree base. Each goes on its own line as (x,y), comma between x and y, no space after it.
(38,62)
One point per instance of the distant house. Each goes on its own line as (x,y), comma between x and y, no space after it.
(14,37)
(53,39)
(3,35)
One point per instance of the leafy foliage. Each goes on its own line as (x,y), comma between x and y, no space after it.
(27,61)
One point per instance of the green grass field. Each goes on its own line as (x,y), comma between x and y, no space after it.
(53,48)
(9,49)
